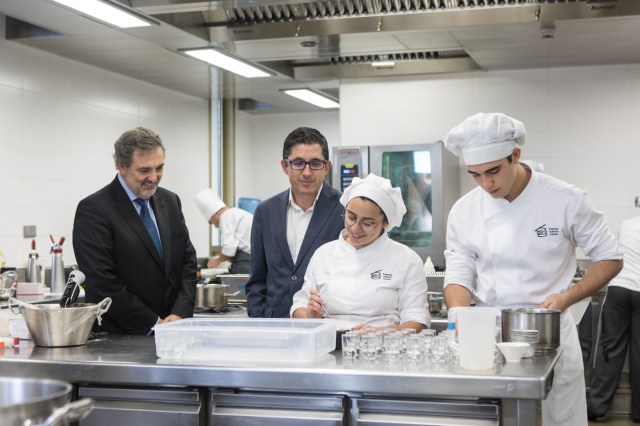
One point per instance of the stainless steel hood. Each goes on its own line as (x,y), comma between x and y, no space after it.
(317,43)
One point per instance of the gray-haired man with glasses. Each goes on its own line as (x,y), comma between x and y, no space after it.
(289,227)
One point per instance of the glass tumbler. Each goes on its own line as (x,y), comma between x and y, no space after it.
(369,346)
(414,347)
(393,347)
(350,342)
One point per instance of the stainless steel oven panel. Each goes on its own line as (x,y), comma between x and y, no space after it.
(397,412)
(264,409)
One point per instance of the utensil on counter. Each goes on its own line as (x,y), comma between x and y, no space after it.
(51,325)
(8,283)
(72,289)
(540,327)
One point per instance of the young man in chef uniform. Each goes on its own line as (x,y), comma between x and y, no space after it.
(511,243)
(235,227)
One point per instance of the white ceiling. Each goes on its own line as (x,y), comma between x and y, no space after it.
(504,36)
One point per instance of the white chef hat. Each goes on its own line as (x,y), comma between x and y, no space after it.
(208,202)
(380,191)
(485,137)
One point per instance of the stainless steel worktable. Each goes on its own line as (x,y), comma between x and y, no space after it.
(132,360)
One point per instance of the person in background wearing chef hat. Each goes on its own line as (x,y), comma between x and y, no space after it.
(235,226)
(511,243)
(290,226)
(364,277)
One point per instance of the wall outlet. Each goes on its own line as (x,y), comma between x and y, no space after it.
(29,231)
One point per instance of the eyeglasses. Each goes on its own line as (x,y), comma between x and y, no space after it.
(366,225)
(300,164)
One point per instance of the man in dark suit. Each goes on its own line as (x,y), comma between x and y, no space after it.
(289,227)
(131,242)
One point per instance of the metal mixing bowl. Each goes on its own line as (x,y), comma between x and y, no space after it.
(6,293)
(524,320)
(52,325)
(8,284)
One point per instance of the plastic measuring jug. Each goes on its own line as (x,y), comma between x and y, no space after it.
(476,337)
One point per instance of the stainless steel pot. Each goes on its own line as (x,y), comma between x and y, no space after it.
(216,295)
(436,302)
(200,300)
(39,401)
(521,324)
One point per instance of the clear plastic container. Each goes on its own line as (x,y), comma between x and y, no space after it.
(245,339)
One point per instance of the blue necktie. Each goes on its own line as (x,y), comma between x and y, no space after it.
(148,223)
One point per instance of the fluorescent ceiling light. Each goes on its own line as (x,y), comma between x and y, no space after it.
(383,64)
(220,60)
(313,98)
(105,12)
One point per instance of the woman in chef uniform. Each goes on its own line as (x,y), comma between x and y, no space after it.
(365,278)
(511,243)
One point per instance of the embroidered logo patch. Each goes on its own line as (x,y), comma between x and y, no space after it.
(376,275)
(545,231)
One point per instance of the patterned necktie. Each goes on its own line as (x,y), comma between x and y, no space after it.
(148,223)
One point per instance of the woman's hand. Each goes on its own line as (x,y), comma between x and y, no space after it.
(315,306)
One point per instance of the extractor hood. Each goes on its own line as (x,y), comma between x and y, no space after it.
(317,43)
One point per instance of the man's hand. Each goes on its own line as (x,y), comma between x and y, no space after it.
(213,262)
(170,318)
(559,301)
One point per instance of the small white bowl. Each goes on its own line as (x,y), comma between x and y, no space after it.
(513,351)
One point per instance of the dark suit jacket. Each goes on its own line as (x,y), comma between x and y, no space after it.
(115,251)
(274,278)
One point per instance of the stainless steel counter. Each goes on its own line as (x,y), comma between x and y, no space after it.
(132,361)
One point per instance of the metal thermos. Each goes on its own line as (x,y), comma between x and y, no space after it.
(57,272)
(57,267)
(33,269)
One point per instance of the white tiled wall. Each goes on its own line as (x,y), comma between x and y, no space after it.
(582,122)
(259,141)
(58,122)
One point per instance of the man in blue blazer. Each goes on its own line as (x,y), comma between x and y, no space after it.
(132,243)
(289,227)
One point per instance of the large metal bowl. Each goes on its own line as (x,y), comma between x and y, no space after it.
(519,321)
(52,325)
(39,401)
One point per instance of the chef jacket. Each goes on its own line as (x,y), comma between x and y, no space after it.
(628,236)
(235,226)
(518,253)
(381,284)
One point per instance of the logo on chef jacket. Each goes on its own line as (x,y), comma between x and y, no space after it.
(377,275)
(544,231)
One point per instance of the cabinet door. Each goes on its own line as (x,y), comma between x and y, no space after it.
(399,412)
(265,409)
(141,407)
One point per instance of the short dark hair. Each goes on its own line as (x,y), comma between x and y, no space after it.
(138,139)
(307,136)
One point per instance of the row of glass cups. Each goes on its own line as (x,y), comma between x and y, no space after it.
(397,345)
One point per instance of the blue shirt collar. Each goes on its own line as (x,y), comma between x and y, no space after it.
(129,192)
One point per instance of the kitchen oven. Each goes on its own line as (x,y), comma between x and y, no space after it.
(428,176)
